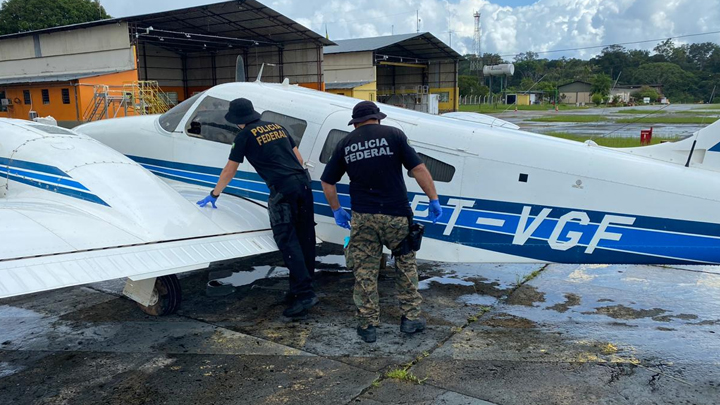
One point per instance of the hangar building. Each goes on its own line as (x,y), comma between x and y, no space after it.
(89,71)
(397,69)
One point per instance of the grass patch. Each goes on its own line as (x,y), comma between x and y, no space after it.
(613,141)
(710,106)
(570,118)
(699,112)
(404,375)
(668,120)
(493,108)
(522,280)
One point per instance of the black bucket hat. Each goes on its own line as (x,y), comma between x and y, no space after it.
(366,110)
(241,111)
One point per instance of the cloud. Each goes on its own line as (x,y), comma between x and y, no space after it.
(545,25)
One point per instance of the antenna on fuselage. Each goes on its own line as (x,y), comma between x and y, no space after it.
(259,76)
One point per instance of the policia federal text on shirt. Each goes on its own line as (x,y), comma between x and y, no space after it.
(373,156)
(275,157)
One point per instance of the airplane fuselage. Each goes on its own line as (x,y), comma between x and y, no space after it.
(507,195)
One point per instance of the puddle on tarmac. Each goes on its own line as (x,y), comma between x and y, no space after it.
(242,278)
(477,299)
(338,260)
(7,369)
(425,284)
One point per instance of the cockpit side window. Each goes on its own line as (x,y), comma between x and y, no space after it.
(439,170)
(295,126)
(333,138)
(171,119)
(208,122)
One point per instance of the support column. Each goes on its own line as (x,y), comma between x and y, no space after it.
(183,58)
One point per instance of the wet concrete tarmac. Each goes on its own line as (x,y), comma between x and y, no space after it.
(498,334)
(609,127)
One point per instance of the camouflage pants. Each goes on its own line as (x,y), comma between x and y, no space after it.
(370,232)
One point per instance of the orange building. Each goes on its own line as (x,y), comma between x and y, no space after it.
(55,71)
(67,98)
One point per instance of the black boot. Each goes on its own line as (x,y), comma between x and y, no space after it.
(368,334)
(410,327)
(300,306)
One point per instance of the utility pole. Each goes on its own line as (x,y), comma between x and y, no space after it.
(476,37)
(417,20)
(476,65)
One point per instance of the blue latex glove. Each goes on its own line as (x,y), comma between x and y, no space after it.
(209,199)
(342,218)
(435,210)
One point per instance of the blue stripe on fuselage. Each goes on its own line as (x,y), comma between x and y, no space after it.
(60,190)
(38,167)
(647,240)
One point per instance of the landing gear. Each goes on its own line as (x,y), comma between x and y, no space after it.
(165,297)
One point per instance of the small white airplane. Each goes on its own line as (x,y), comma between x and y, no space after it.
(73,211)
(507,195)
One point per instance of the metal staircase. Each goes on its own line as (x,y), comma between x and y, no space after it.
(136,98)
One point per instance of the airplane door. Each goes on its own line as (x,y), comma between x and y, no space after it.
(332,131)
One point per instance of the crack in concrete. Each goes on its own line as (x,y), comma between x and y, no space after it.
(453,332)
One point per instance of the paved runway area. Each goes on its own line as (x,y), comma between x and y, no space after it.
(498,334)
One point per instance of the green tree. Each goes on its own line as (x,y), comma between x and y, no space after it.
(470,86)
(601,85)
(677,83)
(645,91)
(613,60)
(597,99)
(29,15)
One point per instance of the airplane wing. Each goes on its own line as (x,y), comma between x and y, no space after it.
(74,212)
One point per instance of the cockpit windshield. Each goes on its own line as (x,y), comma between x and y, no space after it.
(171,119)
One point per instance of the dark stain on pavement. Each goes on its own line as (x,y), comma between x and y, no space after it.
(622,312)
(571,300)
(526,295)
(504,320)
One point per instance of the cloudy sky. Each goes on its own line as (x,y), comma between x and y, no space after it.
(508,26)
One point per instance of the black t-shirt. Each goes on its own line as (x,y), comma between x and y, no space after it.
(373,156)
(269,148)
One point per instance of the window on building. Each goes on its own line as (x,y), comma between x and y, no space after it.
(26,97)
(296,127)
(439,170)
(208,121)
(3,108)
(46,96)
(333,138)
(171,119)
(65,96)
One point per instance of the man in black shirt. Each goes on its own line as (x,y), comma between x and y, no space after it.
(373,156)
(275,157)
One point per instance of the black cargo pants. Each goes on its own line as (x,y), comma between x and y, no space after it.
(292,219)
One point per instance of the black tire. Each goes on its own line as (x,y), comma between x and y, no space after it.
(169,295)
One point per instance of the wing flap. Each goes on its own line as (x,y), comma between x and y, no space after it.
(42,273)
